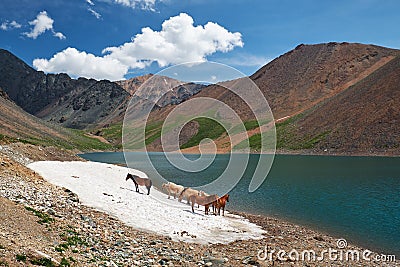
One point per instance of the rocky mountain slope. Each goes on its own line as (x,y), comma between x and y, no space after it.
(56,97)
(364,118)
(76,103)
(306,81)
(18,125)
(319,91)
(308,74)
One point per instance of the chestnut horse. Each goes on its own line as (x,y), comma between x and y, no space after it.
(205,201)
(220,203)
(140,181)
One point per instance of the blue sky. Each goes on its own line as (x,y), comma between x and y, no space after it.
(71,36)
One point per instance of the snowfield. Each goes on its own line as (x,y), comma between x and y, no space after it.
(103,187)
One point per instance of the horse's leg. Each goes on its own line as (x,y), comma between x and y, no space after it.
(193,200)
(137,188)
(223,210)
(169,194)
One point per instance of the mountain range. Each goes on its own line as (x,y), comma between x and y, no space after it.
(339,98)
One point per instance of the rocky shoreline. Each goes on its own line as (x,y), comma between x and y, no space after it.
(42,224)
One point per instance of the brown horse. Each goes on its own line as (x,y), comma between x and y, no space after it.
(186,193)
(220,203)
(205,201)
(173,189)
(140,181)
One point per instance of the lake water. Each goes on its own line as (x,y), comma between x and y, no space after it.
(356,198)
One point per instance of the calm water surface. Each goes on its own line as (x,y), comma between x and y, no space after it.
(357,198)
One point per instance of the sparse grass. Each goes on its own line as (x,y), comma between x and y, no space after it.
(152,132)
(43,262)
(288,137)
(73,139)
(2,247)
(44,218)
(71,238)
(4,139)
(81,141)
(3,263)
(208,128)
(250,125)
(113,132)
(64,262)
(20,257)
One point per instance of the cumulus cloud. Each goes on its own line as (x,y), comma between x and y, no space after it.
(82,64)
(41,24)
(5,26)
(90,2)
(178,41)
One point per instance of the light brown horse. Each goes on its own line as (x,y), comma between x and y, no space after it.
(140,181)
(187,192)
(220,203)
(173,189)
(205,201)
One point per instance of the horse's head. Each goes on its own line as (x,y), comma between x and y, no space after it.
(164,185)
(129,176)
(227,197)
(201,193)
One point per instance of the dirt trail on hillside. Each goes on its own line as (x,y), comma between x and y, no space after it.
(223,143)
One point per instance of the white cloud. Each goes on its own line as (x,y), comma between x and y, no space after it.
(5,26)
(178,41)
(59,35)
(15,24)
(142,4)
(82,64)
(41,24)
(90,2)
(94,13)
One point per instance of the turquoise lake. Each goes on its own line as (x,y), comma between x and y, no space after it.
(356,198)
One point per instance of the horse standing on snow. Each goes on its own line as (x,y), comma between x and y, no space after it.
(187,193)
(140,181)
(220,203)
(173,189)
(205,201)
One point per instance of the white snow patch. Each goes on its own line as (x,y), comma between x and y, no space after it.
(103,187)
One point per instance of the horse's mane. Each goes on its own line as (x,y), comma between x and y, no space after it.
(184,189)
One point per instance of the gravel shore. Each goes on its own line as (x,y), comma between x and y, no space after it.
(42,224)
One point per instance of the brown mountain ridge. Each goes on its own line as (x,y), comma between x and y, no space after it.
(326,98)
(324,85)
